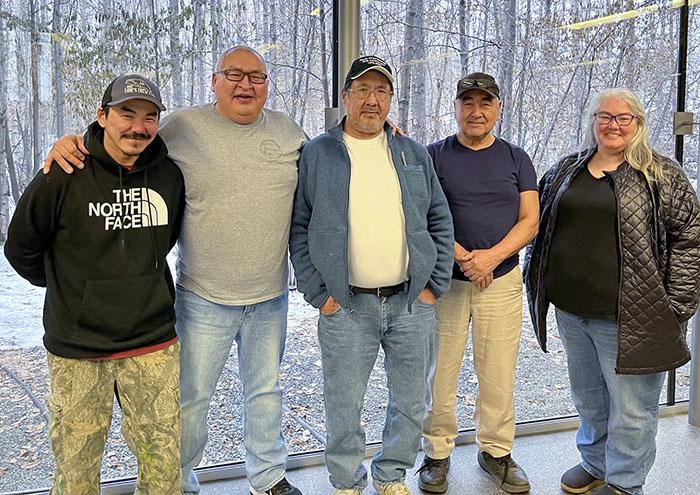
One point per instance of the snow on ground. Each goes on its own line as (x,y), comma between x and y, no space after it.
(20,310)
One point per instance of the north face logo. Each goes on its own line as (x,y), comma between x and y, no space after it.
(132,209)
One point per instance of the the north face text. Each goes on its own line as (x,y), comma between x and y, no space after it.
(132,209)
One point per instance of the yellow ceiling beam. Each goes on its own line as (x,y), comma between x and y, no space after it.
(623,16)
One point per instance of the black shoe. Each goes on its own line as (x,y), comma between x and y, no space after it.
(433,475)
(505,472)
(578,480)
(283,487)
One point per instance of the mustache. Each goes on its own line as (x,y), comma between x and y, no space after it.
(136,135)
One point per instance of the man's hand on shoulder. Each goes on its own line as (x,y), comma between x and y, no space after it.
(67,152)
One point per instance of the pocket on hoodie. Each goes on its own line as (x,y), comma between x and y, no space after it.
(123,309)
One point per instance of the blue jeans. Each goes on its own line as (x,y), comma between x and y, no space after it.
(350,343)
(207,331)
(618,413)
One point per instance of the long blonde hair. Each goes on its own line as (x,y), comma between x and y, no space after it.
(639,153)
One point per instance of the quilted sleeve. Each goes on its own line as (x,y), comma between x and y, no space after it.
(680,211)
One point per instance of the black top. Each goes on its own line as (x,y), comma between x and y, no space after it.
(584,265)
(97,240)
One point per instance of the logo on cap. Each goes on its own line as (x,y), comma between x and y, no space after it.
(138,86)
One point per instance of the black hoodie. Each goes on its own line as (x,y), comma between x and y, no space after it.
(97,240)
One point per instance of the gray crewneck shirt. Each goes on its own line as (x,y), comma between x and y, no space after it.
(239,182)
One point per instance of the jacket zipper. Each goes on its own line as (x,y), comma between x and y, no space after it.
(619,250)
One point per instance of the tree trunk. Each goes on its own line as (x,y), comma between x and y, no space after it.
(525,74)
(4,138)
(35,54)
(296,77)
(325,83)
(464,7)
(412,60)
(214,21)
(156,45)
(175,54)
(272,55)
(57,66)
(507,62)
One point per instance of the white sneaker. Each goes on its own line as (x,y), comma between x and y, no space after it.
(347,491)
(391,488)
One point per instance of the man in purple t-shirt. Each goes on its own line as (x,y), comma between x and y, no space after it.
(491,187)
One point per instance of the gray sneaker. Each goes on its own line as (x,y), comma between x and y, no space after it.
(505,472)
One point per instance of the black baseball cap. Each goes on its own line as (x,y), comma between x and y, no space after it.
(367,63)
(478,80)
(132,87)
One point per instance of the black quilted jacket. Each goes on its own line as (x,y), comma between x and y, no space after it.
(659,240)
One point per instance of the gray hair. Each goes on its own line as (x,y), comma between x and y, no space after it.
(638,153)
(236,48)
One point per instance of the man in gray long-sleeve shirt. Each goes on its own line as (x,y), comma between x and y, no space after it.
(239,163)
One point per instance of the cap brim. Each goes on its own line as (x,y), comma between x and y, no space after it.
(158,104)
(378,69)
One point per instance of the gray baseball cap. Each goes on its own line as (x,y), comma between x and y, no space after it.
(132,87)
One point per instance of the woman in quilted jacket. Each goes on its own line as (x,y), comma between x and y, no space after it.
(618,255)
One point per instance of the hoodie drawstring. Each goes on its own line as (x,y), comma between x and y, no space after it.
(152,229)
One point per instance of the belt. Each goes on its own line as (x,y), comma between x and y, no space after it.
(380,291)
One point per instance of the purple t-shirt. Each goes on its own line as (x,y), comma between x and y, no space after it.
(483,190)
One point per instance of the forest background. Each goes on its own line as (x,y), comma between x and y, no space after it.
(550,58)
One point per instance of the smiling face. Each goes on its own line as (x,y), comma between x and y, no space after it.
(240,101)
(129,128)
(366,117)
(613,138)
(476,114)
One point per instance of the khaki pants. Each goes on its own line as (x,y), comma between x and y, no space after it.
(496,317)
(80,402)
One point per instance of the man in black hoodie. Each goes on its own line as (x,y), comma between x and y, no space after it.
(98,242)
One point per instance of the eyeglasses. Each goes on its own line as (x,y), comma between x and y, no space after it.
(622,119)
(235,75)
(363,92)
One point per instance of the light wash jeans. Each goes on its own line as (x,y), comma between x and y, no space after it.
(350,343)
(207,331)
(618,413)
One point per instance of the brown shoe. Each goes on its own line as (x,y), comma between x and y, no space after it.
(578,480)
(505,472)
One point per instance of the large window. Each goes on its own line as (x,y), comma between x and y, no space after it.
(550,59)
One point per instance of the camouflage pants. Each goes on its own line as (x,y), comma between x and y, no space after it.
(80,402)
